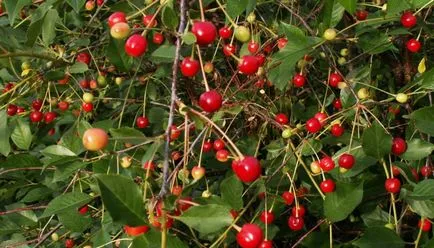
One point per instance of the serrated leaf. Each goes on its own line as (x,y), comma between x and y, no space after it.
(169,17)
(72,220)
(417,149)
(115,52)
(65,202)
(341,203)
(310,147)
(76,4)
(232,190)
(376,142)
(349,5)
(423,119)
(78,68)
(49,26)
(57,150)
(207,218)
(236,7)
(21,135)
(422,208)
(164,53)
(379,237)
(5,147)
(128,134)
(428,80)
(150,152)
(13,7)
(122,199)
(423,190)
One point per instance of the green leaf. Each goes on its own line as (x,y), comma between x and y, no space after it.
(164,53)
(378,217)
(424,190)
(376,142)
(34,31)
(115,52)
(49,25)
(396,6)
(417,149)
(310,147)
(13,7)
(152,239)
(128,134)
(295,34)
(337,14)
(207,218)
(5,147)
(68,201)
(422,3)
(327,12)
(57,150)
(169,17)
(423,119)
(122,198)
(428,80)
(236,7)
(341,203)
(150,152)
(379,237)
(76,4)
(349,5)
(21,136)
(78,68)
(20,161)
(7,227)
(73,221)
(54,75)
(375,42)
(232,190)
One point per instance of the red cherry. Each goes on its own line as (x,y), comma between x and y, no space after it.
(392,185)
(288,197)
(337,104)
(313,125)
(399,146)
(267,217)
(51,132)
(136,45)
(250,236)
(83,58)
(218,145)
(408,20)
(295,223)
(281,118)
(415,174)
(425,225)
(337,130)
(177,190)
(299,211)
(184,206)
(346,161)
(395,171)
(281,43)
(327,163)
(189,67)
(234,213)
(135,231)
(229,49)
(83,210)
(158,38)
(36,116)
(253,47)
(20,110)
(49,117)
(99,2)
(64,80)
(63,105)
(205,32)
(413,45)
(142,122)
(261,58)
(197,172)
(321,117)
(37,104)
(174,132)
(93,84)
(248,65)
(210,101)
(327,186)
(335,79)
(225,32)
(361,14)
(298,80)
(268,48)
(426,171)
(148,22)
(116,17)
(248,169)
(87,107)
(266,244)
(222,155)
(148,165)
(207,146)
(12,109)
(69,243)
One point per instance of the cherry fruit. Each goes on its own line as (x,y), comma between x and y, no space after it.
(346,161)
(95,139)
(218,145)
(229,50)
(205,32)
(281,118)
(248,169)
(49,117)
(11,110)
(327,164)
(36,116)
(298,80)
(413,45)
(425,225)
(392,185)
(335,79)
(295,223)
(197,172)
(399,146)
(250,236)
(135,231)
(116,17)
(253,47)
(225,32)
(327,186)
(189,67)
(136,45)
(142,122)
(361,14)
(83,58)
(267,217)
(337,130)
(288,197)
(313,125)
(249,65)
(408,20)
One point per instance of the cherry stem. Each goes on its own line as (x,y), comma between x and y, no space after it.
(202,69)
(201,151)
(419,234)
(141,11)
(421,8)
(202,14)
(236,227)
(152,20)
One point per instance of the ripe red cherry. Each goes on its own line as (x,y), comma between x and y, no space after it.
(189,67)
(234,213)
(99,2)
(313,125)
(87,107)
(207,146)
(288,197)
(218,145)
(247,169)
(248,65)
(63,105)
(395,171)
(392,185)
(49,117)
(399,146)
(116,17)
(36,116)
(142,122)
(210,101)
(337,130)
(426,171)
(281,43)
(281,118)
(83,58)
(158,38)
(326,163)
(69,243)
(197,172)
(135,230)
(267,217)
(20,110)
(177,190)
(12,110)
(425,225)
(413,45)
(222,155)
(361,14)
(261,58)
(225,32)
(253,47)
(250,236)
(229,49)
(327,186)
(299,211)
(337,104)
(205,32)
(321,117)
(295,223)
(83,210)
(37,104)
(174,132)
(408,20)
(298,80)
(84,84)
(136,45)
(346,161)
(95,139)
(266,244)
(335,79)
(148,22)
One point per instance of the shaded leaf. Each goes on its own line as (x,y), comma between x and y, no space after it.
(5,147)
(21,136)
(207,218)
(66,202)
(57,150)
(232,189)
(78,68)
(341,203)
(423,119)
(379,237)
(376,142)
(49,25)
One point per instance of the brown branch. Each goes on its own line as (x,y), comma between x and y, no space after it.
(26,168)
(22,209)
(33,55)
(307,234)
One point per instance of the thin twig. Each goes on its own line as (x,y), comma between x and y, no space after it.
(22,209)
(307,233)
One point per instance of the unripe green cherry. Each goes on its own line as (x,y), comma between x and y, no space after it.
(101,81)
(118,80)
(344,52)
(54,236)
(120,30)
(206,194)
(342,61)
(363,93)
(87,97)
(401,98)
(25,65)
(242,34)
(251,17)
(329,34)
(287,133)
(390,226)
